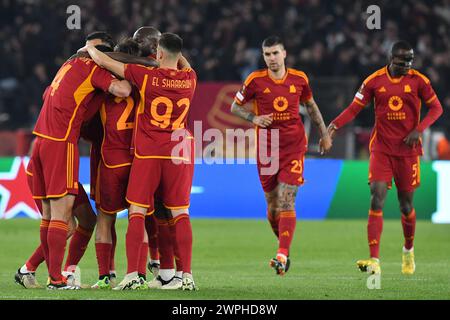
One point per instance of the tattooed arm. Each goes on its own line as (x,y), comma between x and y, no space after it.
(262,121)
(316,118)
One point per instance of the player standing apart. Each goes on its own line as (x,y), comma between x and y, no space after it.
(277,93)
(395,144)
(165,97)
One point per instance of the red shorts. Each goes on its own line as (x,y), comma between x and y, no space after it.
(173,182)
(112,188)
(55,168)
(81,197)
(404,170)
(290,171)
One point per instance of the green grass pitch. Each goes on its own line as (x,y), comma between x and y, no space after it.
(231,258)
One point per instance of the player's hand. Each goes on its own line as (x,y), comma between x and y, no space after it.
(263,121)
(331,130)
(325,144)
(412,139)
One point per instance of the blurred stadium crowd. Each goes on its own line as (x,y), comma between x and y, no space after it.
(222,39)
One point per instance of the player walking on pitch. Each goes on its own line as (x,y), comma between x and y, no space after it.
(277,93)
(395,144)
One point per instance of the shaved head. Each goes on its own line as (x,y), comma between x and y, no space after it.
(147,38)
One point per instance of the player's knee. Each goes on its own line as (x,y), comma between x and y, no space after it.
(406,208)
(86,217)
(377,200)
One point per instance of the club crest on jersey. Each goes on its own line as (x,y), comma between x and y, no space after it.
(280,104)
(395,103)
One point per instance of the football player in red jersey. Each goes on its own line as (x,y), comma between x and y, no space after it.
(277,93)
(55,155)
(166,93)
(158,225)
(395,144)
(117,118)
(82,210)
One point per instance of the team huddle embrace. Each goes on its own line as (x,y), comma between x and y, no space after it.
(129,99)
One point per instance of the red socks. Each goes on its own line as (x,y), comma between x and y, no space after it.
(35,260)
(286,225)
(165,245)
(374,229)
(77,247)
(274,221)
(103,252)
(409,227)
(151,226)
(183,241)
(112,264)
(143,255)
(134,240)
(56,239)
(43,230)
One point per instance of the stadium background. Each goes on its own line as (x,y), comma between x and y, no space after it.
(328,40)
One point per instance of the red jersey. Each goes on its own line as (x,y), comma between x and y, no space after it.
(165,98)
(117,116)
(91,128)
(282,98)
(73,86)
(397,109)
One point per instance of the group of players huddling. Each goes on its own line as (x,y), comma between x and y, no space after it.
(130,123)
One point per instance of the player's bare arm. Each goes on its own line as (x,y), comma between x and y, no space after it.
(127,58)
(120,88)
(183,63)
(106,62)
(316,117)
(262,121)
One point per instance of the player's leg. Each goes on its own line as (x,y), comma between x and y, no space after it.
(378,191)
(285,202)
(166,271)
(61,211)
(182,243)
(103,248)
(143,257)
(407,179)
(133,242)
(288,179)
(380,177)
(26,275)
(409,227)
(151,228)
(176,182)
(143,181)
(272,212)
(86,217)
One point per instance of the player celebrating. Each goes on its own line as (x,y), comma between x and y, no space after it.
(395,144)
(277,92)
(55,155)
(117,117)
(166,94)
(82,210)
